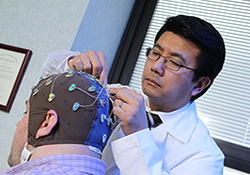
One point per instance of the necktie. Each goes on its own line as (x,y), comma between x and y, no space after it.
(153,120)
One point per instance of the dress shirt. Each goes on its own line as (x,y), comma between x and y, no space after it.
(63,164)
(182,145)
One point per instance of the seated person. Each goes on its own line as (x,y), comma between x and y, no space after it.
(66,125)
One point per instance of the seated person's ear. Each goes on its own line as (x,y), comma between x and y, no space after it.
(48,124)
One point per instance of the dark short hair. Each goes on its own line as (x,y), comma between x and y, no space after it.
(201,33)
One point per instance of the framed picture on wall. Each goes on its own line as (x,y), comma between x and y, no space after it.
(13,63)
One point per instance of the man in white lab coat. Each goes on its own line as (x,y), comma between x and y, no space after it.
(187,55)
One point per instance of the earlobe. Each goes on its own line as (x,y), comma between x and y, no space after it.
(201,84)
(48,124)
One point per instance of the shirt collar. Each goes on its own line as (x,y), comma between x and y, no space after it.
(180,123)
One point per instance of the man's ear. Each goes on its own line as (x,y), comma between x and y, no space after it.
(201,84)
(48,124)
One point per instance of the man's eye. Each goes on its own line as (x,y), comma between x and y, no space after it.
(175,63)
(25,112)
(155,53)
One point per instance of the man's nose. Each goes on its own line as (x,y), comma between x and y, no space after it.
(158,66)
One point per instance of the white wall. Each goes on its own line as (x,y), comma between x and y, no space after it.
(102,27)
(48,25)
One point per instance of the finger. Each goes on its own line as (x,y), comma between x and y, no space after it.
(95,63)
(80,62)
(75,63)
(120,110)
(120,104)
(104,73)
(87,66)
(125,94)
(131,121)
(131,103)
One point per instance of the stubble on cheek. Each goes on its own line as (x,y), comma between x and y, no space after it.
(16,151)
(19,140)
(11,161)
(15,156)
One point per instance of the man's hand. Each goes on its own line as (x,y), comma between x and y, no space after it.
(91,62)
(129,106)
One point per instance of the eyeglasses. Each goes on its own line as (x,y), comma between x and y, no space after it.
(169,62)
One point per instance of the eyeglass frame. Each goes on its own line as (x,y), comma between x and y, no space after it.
(166,58)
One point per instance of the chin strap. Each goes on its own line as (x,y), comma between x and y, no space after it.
(95,150)
(26,153)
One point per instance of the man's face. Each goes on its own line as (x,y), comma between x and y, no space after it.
(166,89)
(20,138)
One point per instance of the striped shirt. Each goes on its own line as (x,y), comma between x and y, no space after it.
(60,164)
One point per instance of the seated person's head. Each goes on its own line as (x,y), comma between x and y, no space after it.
(69,108)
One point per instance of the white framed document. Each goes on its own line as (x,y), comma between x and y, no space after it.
(13,63)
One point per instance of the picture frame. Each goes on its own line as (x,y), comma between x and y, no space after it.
(13,64)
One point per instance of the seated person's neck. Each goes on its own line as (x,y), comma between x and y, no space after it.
(54,149)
